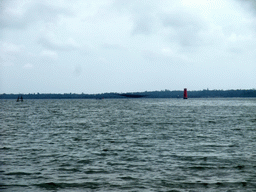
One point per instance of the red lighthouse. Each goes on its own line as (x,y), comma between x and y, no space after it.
(185,95)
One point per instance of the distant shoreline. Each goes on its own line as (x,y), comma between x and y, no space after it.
(146,94)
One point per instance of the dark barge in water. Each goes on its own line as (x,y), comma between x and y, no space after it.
(132,95)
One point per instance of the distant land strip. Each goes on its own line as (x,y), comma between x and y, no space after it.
(206,93)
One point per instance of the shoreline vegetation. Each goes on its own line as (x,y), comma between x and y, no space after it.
(206,93)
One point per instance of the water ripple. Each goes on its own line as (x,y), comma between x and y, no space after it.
(128,145)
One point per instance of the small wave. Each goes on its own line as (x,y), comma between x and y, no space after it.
(253,120)
(234,145)
(237,129)
(166,123)
(77,139)
(69,170)
(5,148)
(96,171)
(127,178)
(18,173)
(52,185)
(3,186)
(202,168)
(65,165)
(84,161)
(204,185)
(239,167)
(49,185)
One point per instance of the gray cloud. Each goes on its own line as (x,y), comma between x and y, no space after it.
(100,46)
(249,3)
(21,17)
(48,43)
(143,25)
(184,28)
(143,14)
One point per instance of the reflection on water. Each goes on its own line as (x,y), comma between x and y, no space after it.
(128,145)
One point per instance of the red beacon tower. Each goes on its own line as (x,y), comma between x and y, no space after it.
(185,95)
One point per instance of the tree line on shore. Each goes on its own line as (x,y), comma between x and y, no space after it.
(206,93)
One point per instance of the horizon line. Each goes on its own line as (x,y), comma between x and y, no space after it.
(128,92)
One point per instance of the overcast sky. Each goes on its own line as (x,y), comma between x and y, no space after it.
(96,46)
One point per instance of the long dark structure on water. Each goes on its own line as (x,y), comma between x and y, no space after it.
(132,95)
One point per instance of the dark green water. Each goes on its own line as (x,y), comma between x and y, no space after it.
(128,145)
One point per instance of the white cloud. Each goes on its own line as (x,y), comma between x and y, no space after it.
(49,54)
(11,48)
(28,66)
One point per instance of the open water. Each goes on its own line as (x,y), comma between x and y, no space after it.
(128,145)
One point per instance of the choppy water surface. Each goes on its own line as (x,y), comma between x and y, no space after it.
(128,145)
